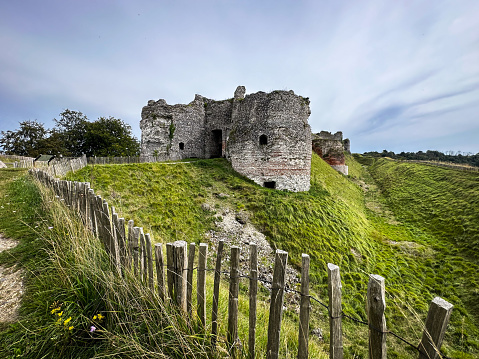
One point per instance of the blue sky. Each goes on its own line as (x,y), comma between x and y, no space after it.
(399,75)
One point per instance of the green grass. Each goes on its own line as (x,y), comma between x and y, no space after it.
(359,222)
(342,220)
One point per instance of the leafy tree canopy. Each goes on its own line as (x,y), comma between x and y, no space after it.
(73,135)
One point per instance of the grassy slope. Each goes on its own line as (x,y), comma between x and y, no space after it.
(334,222)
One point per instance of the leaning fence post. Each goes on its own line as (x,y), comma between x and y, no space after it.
(335,313)
(376,305)
(201,284)
(149,258)
(233,300)
(189,278)
(160,276)
(216,293)
(436,323)
(276,305)
(253,291)
(305,308)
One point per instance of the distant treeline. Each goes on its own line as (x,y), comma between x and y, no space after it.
(450,156)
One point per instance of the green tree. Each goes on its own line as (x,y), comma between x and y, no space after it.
(29,140)
(110,137)
(71,129)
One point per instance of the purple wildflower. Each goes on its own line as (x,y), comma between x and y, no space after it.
(92,329)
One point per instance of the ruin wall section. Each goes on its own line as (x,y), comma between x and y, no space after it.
(173,132)
(270,141)
(330,147)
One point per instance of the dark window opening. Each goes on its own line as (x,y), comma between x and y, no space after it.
(263,140)
(182,146)
(270,184)
(217,145)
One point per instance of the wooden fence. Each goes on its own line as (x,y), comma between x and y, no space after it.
(128,159)
(130,249)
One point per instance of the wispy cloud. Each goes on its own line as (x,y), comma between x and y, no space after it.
(388,74)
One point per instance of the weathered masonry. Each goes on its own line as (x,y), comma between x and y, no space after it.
(331,149)
(265,136)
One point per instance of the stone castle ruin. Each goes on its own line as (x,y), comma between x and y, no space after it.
(265,136)
(331,149)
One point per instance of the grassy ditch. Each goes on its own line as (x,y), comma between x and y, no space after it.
(342,220)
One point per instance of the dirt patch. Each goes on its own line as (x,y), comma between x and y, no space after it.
(11,286)
(235,229)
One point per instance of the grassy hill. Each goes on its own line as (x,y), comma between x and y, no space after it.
(364,223)
(345,221)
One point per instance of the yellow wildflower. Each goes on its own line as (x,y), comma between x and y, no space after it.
(60,314)
(70,328)
(54,310)
(100,317)
(95,317)
(67,321)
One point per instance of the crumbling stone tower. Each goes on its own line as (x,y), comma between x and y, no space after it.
(265,136)
(330,147)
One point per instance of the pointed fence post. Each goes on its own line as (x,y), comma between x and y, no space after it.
(233,301)
(160,276)
(305,308)
(376,305)
(189,278)
(253,291)
(276,305)
(216,293)
(201,284)
(335,313)
(436,323)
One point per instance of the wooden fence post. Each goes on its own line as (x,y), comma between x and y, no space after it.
(376,305)
(233,300)
(276,305)
(135,240)
(201,283)
(131,224)
(160,276)
(121,239)
(142,255)
(216,293)
(253,291)
(114,236)
(149,261)
(180,264)
(436,323)
(335,313)
(169,270)
(189,278)
(305,307)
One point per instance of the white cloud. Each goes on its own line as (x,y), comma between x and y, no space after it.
(385,73)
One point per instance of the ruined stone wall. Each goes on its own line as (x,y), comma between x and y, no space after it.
(330,148)
(217,126)
(270,141)
(173,132)
(266,137)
